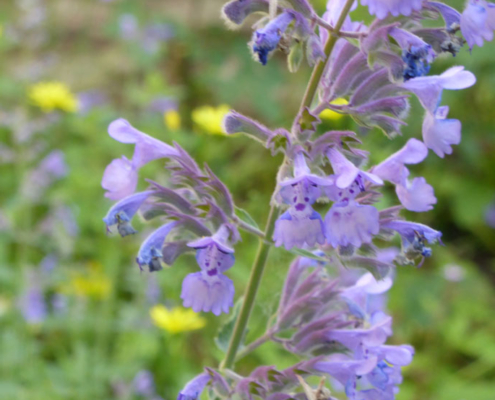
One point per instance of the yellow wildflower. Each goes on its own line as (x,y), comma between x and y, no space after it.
(330,115)
(210,118)
(171,118)
(52,95)
(93,283)
(177,319)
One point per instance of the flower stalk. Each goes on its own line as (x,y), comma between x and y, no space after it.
(264,247)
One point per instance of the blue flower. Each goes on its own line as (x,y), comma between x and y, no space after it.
(150,253)
(300,225)
(122,212)
(266,39)
(209,290)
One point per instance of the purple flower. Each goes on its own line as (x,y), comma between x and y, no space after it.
(381,8)
(300,225)
(381,382)
(478,22)
(439,133)
(89,100)
(209,290)
(54,165)
(428,89)
(490,215)
(416,53)
(144,384)
(344,368)
(364,297)
(451,16)
(32,303)
(350,223)
(122,212)
(120,177)
(236,11)
(50,169)
(415,195)
(195,387)
(150,253)
(347,173)
(393,168)
(266,39)
(414,237)
(359,338)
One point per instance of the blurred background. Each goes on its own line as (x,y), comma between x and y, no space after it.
(78,320)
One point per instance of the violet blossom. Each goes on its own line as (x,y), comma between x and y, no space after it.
(381,8)
(415,195)
(209,290)
(120,177)
(300,225)
(478,22)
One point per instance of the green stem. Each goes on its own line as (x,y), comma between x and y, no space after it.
(252,289)
(264,246)
(254,345)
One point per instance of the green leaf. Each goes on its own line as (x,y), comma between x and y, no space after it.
(307,254)
(295,57)
(244,216)
(225,332)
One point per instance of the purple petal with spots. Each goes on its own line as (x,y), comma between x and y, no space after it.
(294,231)
(219,239)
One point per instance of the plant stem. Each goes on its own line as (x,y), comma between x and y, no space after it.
(251,290)
(254,345)
(264,246)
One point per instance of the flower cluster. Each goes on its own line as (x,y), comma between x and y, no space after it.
(340,331)
(197,211)
(338,326)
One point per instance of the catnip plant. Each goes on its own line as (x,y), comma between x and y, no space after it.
(329,315)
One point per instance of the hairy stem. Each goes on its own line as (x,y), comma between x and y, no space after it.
(264,245)
(254,345)
(251,290)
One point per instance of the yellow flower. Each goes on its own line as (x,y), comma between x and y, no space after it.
(52,95)
(210,118)
(177,319)
(93,283)
(171,118)
(331,115)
